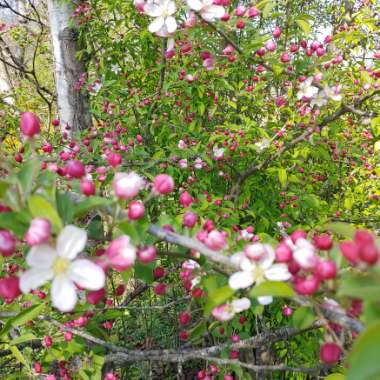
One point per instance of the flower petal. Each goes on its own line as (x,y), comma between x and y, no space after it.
(171,24)
(278,272)
(216,11)
(34,278)
(241,280)
(41,256)
(171,8)
(196,5)
(63,294)
(71,241)
(87,274)
(152,10)
(265,300)
(156,24)
(268,257)
(241,304)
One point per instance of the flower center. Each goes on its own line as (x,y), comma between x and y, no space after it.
(60,265)
(258,274)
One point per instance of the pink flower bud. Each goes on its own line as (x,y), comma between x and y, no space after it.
(39,232)
(7,243)
(253,12)
(283,253)
(185,199)
(297,235)
(306,286)
(10,287)
(184,318)
(216,240)
(326,270)
(327,39)
(240,10)
(127,186)
(160,289)
(350,251)
(95,296)
(163,184)
(114,159)
(87,187)
(29,124)
(190,219)
(147,255)
(363,237)
(121,253)
(277,32)
(285,57)
(47,148)
(287,311)
(270,45)
(158,272)
(369,253)
(330,353)
(110,376)
(320,52)
(48,341)
(68,336)
(75,169)
(323,242)
(136,210)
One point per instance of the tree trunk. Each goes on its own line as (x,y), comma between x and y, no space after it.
(73,105)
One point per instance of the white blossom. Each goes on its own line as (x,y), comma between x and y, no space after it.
(206,9)
(227,311)
(306,89)
(164,23)
(257,271)
(60,266)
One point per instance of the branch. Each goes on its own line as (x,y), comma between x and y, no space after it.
(191,243)
(270,368)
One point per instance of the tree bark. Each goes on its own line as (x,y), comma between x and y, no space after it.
(73,105)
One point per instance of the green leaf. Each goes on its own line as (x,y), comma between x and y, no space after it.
(22,339)
(302,318)
(304,25)
(357,286)
(21,318)
(90,203)
(144,272)
(17,222)
(126,275)
(198,330)
(27,174)
(343,229)
(3,188)
(272,288)
(335,376)
(282,177)
(40,207)
(18,355)
(217,297)
(363,361)
(65,207)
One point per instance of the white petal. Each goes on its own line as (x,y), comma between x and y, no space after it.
(63,294)
(237,258)
(156,25)
(247,265)
(171,24)
(241,304)
(171,8)
(71,241)
(215,11)
(152,10)
(195,4)
(268,257)
(265,300)
(86,274)
(170,46)
(41,256)
(34,278)
(241,280)
(278,272)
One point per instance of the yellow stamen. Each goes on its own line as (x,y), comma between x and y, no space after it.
(60,265)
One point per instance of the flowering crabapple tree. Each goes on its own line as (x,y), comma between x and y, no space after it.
(219,219)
